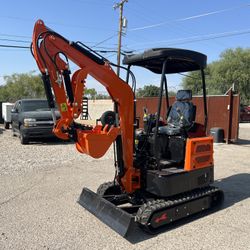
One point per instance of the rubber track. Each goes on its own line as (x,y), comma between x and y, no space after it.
(146,211)
(103,187)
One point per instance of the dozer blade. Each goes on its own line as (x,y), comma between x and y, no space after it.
(119,220)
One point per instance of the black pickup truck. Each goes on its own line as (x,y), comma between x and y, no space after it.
(32,118)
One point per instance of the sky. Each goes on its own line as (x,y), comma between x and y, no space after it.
(207,26)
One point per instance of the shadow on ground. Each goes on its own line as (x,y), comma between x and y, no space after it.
(236,188)
(242,142)
(49,141)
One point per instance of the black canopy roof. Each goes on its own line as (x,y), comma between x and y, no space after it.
(179,60)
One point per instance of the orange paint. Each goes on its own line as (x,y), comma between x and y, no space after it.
(199,153)
(93,142)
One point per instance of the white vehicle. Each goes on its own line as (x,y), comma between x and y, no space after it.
(6,113)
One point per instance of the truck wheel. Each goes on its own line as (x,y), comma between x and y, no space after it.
(6,125)
(23,138)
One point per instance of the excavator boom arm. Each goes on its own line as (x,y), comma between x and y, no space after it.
(52,52)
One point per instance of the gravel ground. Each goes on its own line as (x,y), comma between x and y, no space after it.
(40,183)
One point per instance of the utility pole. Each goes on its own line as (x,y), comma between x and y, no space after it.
(120,6)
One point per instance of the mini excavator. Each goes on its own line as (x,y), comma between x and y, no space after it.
(163,172)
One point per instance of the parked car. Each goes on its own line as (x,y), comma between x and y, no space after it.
(245,113)
(32,118)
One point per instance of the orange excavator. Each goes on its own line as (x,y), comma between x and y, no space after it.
(163,172)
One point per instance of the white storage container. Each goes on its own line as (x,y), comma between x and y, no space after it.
(6,113)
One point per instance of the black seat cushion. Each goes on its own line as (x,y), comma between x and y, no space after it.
(181,114)
(184,95)
(169,130)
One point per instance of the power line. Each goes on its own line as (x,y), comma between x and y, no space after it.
(20,36)
(54,23)
(93,2)
(22,41)
(86,42)
(13,40)
(200,38)
(215,36)
(103,41)
(123,52)
(174,27)
(190,17)
(11,35)
(168,42)
(14,46)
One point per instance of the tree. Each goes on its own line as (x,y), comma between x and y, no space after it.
(102,96)
(151,91)
(171,93)
(148,91)
(233,67)
(193,81)
(18,86)
(90,93)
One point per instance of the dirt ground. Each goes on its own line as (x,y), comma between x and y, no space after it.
(97,107)
(38,208)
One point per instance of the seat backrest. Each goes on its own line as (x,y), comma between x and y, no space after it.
(183,112)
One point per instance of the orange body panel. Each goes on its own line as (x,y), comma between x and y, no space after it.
(93,142)
(199,153)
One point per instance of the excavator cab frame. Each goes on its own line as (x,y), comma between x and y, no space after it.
(169,61)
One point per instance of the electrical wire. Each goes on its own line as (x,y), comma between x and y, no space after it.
(190,17)
(25,41)
(10,35)
(14,46)
(13,40)
(56,23)
(197,38)
(103,41)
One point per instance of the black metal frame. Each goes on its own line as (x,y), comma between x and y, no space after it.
(163,83)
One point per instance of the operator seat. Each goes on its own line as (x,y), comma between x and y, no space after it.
(181,116)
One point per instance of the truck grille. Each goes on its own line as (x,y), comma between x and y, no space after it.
(44,122)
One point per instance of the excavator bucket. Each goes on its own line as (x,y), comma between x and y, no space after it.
(113,216)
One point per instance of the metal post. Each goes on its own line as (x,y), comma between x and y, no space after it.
(120,6)
(166,94)
(160,97)
(163,80)
(230,114)
(204,98)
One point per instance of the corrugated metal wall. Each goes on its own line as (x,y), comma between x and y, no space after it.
(219,109)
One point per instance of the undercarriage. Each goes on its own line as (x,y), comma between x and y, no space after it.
(122,213)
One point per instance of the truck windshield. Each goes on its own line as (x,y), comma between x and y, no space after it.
(36,105)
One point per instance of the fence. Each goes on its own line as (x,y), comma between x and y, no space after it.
(223,112)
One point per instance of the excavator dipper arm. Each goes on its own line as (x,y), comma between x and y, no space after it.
(52,52)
